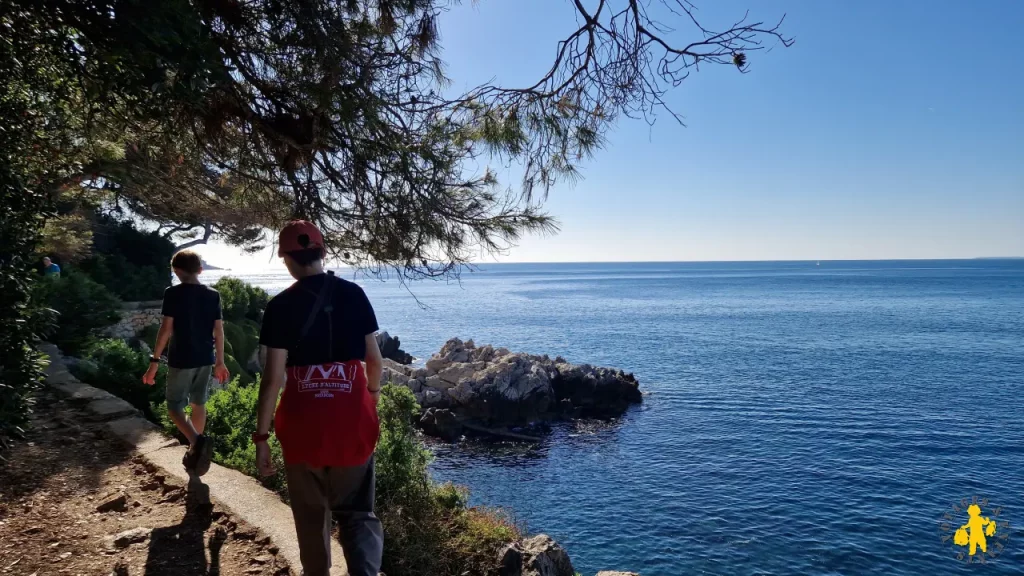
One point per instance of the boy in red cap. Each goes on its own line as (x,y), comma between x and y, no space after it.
(318,334)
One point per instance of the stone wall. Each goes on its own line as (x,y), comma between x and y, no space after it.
(134,317)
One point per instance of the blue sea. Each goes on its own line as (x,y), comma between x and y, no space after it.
(799,417)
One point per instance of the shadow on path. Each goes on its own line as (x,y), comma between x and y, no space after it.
(181,549)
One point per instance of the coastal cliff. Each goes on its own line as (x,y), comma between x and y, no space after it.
(468,386)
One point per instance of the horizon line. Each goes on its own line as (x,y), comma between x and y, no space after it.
(478,264)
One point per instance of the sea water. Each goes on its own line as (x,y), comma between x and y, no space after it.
(799,417)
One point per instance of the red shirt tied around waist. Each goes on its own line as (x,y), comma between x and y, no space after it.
(326,416)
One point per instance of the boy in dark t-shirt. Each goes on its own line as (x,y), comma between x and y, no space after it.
(318,334)
(192,323)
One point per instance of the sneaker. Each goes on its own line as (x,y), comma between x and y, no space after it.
(204,454)
(189,459)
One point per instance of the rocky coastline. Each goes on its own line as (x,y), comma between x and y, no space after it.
(493,390)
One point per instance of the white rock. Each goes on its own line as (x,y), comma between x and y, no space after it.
(457,373)
(437,383)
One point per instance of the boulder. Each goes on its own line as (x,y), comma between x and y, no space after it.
(437,383)
(442,423)
(436,364)
(510,560)
(395,373)
(133,536)
(390,348)
(434,399)
(113,502)
(452,346)
(596,392)
(545,557)
(455,373)
(462,394)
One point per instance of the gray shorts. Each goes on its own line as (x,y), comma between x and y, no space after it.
(188,386)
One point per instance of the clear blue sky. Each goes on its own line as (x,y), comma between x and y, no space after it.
(891,129)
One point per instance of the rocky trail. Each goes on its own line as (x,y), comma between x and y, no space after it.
(74,500)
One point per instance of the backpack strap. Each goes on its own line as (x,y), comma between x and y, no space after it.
(323,303)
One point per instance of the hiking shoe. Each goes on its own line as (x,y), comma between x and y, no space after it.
(189,459)
(204,454)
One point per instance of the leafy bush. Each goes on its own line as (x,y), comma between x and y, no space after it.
(239,300)
(244,340)
(237,370)
(84,308)
(118,369)
(133,264)
(32,130)
(128,281)
(427,527)
(231,420)
(148,334)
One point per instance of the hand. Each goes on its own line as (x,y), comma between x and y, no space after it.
(221,373)
(149,378)
(263,462)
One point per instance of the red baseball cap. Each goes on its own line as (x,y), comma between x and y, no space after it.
(299,235)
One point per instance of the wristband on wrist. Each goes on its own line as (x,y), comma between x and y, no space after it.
(156,360)
(257,438)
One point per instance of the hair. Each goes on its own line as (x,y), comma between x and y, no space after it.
(187,261)
(307,256)
(47,258)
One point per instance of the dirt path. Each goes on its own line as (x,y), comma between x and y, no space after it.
(70,489)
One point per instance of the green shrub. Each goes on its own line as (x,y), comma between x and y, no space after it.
(83,306)
(234,334)
(128,281)
(30,126)
(250,326)
(131,263)
(119,370)
(427,527)
(236,370)
(244,339)
(148,334)
(231,421)
(239,300)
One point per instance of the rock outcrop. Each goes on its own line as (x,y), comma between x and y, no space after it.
(536,556)
(497,388)
(441,422)
(391,349)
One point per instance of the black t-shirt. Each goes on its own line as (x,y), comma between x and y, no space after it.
(195,308)
(338,337)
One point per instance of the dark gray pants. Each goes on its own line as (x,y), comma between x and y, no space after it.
(348,493)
